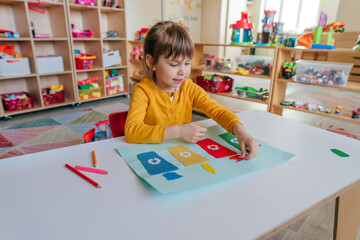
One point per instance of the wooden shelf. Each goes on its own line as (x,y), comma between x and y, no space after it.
(353,86)
(344,114)
(56,21)
(233,94)
(207,69)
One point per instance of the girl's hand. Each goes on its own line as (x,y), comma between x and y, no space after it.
(191,132)
(245,140)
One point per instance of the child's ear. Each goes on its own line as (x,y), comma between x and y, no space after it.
(150,62)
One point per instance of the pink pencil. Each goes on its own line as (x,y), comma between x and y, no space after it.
(89,169)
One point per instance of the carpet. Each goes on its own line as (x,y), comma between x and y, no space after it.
(53,132)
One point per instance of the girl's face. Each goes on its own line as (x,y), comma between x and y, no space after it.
(170,73)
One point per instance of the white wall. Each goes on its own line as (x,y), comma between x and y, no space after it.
(349,13)
(141,14)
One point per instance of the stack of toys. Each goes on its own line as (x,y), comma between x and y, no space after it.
(12,63)
(215,83)
(114,82)
(53,94)
(17,101)
(89,89)
(83,61)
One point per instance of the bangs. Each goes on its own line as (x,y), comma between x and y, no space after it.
(177,43)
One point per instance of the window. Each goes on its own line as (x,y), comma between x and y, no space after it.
(295,14)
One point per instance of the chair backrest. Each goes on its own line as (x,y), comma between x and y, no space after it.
(117,123)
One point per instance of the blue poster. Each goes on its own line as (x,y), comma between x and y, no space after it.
(195,176)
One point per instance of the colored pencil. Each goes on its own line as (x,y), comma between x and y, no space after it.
(89,169)
(83,176)
(94,158)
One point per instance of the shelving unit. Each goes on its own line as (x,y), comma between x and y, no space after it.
(15,16)
(56,20)
(99,19)
(197,68)
(338,55)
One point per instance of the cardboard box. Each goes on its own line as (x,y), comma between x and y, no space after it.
(50,64)
(14,67)
(111,58)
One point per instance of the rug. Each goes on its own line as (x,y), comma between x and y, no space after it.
(53,132)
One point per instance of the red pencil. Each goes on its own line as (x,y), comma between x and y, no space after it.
(83,176)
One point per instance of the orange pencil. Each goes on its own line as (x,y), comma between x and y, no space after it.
(94,158)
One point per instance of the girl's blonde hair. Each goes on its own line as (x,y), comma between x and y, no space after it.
(169,39)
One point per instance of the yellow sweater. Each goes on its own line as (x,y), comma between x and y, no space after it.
(151,110)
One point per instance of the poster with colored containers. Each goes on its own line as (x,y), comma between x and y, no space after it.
(176,165)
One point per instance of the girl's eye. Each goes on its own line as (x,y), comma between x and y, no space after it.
(173,64)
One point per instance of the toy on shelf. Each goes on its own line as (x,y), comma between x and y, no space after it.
(140,35)
(260,65)
(310,106)
(53,94)
(356,114)
(313,39)
(289,70)
(242,31)
(287,103)
(83,61)
(251,92)
(241,71)
(209,61)
(357,47)
(12,63)
(110,34)
(8,34)
(298,104)
(215,83)
(77,33)
(337,109)
(86,2)
(137,53)
(111,3)
(223,65)
(17,101)
(114,82)
(89,89)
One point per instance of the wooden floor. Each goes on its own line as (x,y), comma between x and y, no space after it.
(318,225)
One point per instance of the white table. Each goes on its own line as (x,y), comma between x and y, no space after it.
(41,199)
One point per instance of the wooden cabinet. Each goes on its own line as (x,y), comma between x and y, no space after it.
(53,19)
(197,68)
(16,17)
(99,20)
(280,84)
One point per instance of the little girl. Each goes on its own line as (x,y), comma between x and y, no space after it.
(161,105)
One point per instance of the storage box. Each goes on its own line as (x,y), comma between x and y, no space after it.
(84,61)
(215,83)
(252,93)
(58,97)
(49,64)
(255,64)
(85,94)
(14,67)
(115,85)
(111,58)
(16,103)
(325,73)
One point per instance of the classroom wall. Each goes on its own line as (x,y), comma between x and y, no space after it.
(141,14)
(348,12)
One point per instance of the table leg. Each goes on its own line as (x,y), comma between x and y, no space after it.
(347,214)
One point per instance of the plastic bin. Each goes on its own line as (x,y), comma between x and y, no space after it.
(58,97)
(14,67)
(215,83)
(49,64)
(255,64)
(325,73)
(84,61)
(252,93)
(115,85)
(16,104)
(111,58)
(85,94)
